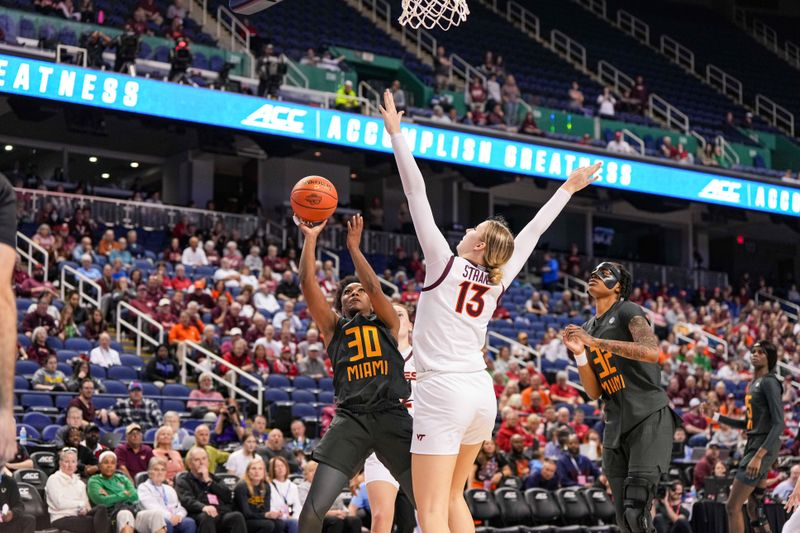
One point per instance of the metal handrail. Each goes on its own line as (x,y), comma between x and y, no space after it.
(199,4)
(324,98)
(670,114)
(293,70)
(464,70)
(792,53)
(785,368)
(136,329)
(598,7)
(783,302)
(700,139)
(231,385)
(380,11)
(635,138)
(82,281)
(334,257)
(27,254)
(387,283)
(523,18)
(574,284)
(573,51)
(144,214)
(766,34)
(424,42)
(681,328)
(611,75)
(724,82)
(777,115)
(728,152)
(240,36)
(374,96)
(676,52)
(509,340)
(633,26)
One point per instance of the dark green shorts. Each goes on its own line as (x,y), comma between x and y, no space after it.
(753,444)
(8,214)
(352,437)
(645,449)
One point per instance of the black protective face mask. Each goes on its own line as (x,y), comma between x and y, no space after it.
(611,279)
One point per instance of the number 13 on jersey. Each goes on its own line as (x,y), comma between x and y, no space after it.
(474,305)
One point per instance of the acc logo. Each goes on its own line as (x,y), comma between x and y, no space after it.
(277,117)
(722,191)
(313,199)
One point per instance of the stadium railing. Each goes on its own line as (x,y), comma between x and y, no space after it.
(512,343)
(139,329)
(683,329)
(72,280)
(791,309)
(27,249)
(230,384)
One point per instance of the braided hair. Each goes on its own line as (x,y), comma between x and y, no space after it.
(625,282)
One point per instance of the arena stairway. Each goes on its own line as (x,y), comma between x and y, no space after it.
(716,40)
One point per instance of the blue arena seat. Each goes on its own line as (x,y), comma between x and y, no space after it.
(131,360)
(20,383)
(33,433)
(176,389)
(149,390)
(23,340)
(276,395)
(304,382)
(65,355)
(36,400)
(303,396)
(98,372)
(150,435)
(25,367)
(300,410)
(103,402)
(278,381)
(54,343)
(326,384)
(115,387)
(125,373)
(173,405)
(78,345)
(326,397)
(49,432)
(62,401)
(37,420)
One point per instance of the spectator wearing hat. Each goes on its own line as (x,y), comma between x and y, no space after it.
(163,314)
(133,456)
(695,423)
(313,366)
(163,368)
(104,355)
(705,467)
(136,410)
(199,295)
(91,439)
(347,98)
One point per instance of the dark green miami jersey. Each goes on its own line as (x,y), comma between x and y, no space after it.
(631,390)
(367,367)
(763,403)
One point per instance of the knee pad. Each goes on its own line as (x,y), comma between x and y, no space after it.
(638,494)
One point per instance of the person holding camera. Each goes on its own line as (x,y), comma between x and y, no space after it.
(127,46)
(95,44)
(229,427)
(271,69)
(671,516)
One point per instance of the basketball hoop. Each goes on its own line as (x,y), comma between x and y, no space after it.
(430,13)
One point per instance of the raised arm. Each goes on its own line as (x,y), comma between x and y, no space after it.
(434,246)
(369,280)
(591,385)
(527,239)
(318,305)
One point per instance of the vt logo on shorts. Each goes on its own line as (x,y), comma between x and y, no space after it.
(420,436)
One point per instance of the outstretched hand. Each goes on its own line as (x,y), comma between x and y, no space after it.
(582,177)
(391,117)
(354,228)
(312,231)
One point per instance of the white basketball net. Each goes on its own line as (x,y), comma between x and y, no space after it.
(430,13)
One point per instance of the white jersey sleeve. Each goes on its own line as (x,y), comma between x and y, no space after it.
(434,246)
(529,236)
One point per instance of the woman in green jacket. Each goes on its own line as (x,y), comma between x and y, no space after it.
(116,491)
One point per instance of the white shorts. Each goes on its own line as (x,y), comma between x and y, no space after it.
(374,470)
(451,409)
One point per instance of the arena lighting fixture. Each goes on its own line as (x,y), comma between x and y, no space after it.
(353,175)
(93,159)
(9,148)
(317,153)
(134,164)
(105,175)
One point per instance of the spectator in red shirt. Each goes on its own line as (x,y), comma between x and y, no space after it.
(38,350)
(581,429)
(499,384)
(142,302)
(668,149)
(234,319)
(180,282)
(257,329)
(277,264)
(199,295)
(410,295)
(151,11)
(133,456)
(705,467)
(563,392)
(237,357)
(509,428)
(695,423)
(477,94)
(39,318)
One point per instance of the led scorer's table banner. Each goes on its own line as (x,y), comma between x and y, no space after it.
(108,90)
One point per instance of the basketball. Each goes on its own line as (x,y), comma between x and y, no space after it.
(314,199)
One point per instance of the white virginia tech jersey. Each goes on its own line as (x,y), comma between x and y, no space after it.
(411,376)
(455,310)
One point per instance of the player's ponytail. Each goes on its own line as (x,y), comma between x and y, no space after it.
(499,247)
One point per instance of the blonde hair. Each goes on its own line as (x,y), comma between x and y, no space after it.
(499,247)
(246,478)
